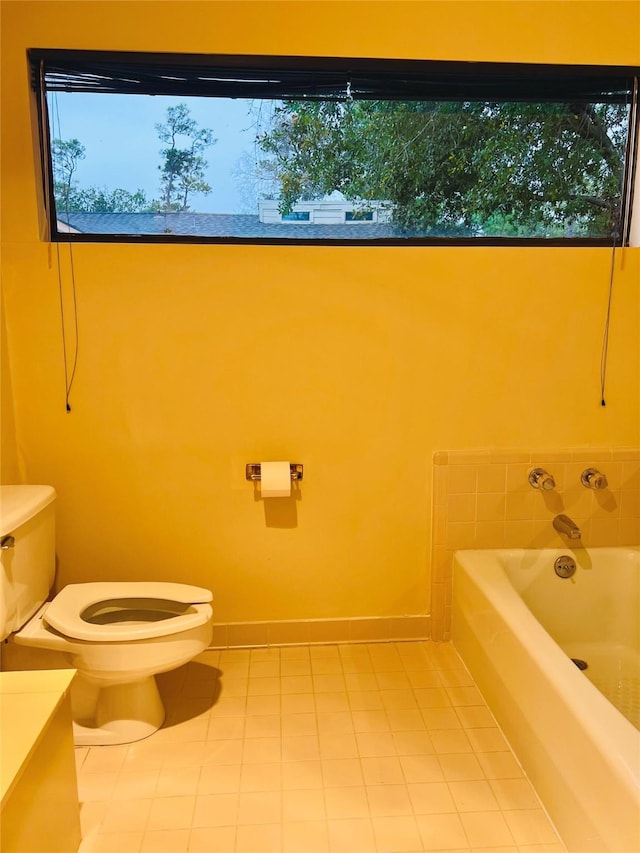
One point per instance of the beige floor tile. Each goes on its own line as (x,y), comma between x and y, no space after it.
(489,739)
(166,841)
(399,700)
(441,832)
(268,725)
(259,777)
(262,838)
(259,705)
(219,839)
(296,684)
(395,834)
(335,722)
(301,775)
(473,796)
(310,836)
(422,768)
(302,805)
(332,702)
(389,800)
(413,743)
(460,767)
(348,802)
(500,765)
(341,772)
(475,716)
(136,784)
(219,779)
(431,798)
(104,759)
(297,725)
(91,815)
(295,667)
(405,719)
(450,741)
(382,770)
(171,813)
(130,816)
(486,829)
(226,728)
(258,807)
(112,842)
(219,752)
(361,681)
(441,718)
(326,666)
(348,836)
(374,744)
(304,748)
(315,749)
(514,793)
(93,787)
(432,697)
(338,745)
(530,826)
(264,668)
(298,703)
(216,810)
(365,700)
(261,750)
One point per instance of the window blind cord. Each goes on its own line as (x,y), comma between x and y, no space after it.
(626,195)
(605,338)
(69,369)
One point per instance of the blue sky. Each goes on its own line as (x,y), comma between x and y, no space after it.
(122,146)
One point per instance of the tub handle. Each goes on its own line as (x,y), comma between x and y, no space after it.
(7,542)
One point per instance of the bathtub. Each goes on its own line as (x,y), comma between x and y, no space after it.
(579,751)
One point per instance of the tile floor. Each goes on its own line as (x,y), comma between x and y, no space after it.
(352,748)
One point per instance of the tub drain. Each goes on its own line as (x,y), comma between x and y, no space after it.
(581,664)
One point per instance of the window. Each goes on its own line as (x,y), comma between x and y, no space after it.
(296,216)
(164,147)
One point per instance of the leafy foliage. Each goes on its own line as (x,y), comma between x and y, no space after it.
(458,168)
(182,170)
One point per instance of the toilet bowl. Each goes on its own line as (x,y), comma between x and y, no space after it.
(117,636)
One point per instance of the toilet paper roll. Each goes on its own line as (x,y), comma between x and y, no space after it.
(275,479)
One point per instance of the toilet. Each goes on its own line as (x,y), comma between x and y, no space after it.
(117,636)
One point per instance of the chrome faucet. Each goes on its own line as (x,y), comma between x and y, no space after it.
(541,479)
(563,524)
(591,478)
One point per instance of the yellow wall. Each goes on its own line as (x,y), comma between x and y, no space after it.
(357,362)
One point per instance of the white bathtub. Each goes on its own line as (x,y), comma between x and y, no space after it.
(580,752)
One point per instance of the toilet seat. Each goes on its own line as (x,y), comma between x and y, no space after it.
(183,607)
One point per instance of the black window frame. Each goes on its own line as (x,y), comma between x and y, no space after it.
(327,78)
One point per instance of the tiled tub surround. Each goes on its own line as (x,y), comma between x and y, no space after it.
(482,499)
(354,748)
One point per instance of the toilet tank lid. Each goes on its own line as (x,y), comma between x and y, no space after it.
(18,504)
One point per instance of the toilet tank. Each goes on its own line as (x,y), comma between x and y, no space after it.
(27,556)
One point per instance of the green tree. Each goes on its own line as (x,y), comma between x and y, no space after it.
(70,198)
(457,167)
(182,169)
(65,156)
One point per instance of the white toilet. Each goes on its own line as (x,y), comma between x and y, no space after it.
(117,635)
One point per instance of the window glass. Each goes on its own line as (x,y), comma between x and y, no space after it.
(418,168)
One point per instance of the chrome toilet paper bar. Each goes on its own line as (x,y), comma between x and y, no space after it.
(253,471)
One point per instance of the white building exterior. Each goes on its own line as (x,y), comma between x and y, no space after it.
(327,212)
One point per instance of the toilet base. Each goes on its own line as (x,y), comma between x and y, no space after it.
(120,713)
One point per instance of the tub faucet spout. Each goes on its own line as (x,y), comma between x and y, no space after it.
(563,524)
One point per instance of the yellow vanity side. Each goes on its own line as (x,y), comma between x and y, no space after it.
(40,808)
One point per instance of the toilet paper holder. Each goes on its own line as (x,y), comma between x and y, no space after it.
(253,471)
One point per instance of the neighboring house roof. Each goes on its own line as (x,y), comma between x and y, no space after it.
(217,225)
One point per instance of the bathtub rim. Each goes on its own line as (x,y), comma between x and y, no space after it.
(596,712)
